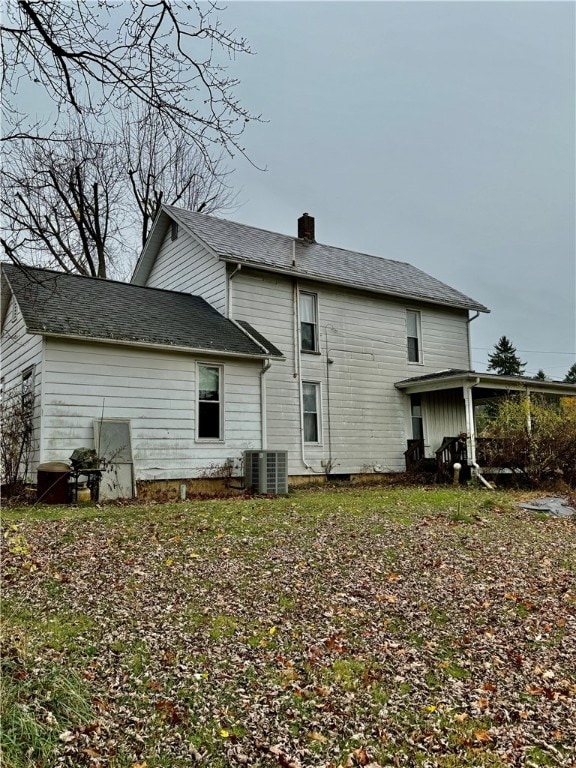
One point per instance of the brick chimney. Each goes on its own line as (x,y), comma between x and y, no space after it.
(306,228)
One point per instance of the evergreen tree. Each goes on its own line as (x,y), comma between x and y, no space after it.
(541,376)
(504,359)
(570,377)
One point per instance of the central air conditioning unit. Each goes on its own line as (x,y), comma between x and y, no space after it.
(266,471)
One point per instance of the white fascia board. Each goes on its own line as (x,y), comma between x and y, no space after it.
(347,284)
(153,346)
(418,387)
(150,250)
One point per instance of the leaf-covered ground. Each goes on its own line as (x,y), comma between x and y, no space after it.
(404,627)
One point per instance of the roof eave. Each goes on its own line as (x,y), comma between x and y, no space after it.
(489,381)
(155,345)
(475,307)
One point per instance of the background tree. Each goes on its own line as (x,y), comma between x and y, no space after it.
(97,58)
(86,204)
(504,359)
(570,377)
(160,168)
(541,376)
(63,203)
(154,117)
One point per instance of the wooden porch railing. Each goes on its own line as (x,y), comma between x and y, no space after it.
(414,455)
(452,450)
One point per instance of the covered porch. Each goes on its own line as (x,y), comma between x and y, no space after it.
(443,414)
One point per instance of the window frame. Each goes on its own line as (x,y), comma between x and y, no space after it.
(318,412)
(418,337)
(417,416)
(316,348)
(221,426)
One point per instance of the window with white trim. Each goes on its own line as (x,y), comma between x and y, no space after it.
(311,407)
(417,420)
(209,411)
(308,322)
(414,336)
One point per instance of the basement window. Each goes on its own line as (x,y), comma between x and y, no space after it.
(209,412)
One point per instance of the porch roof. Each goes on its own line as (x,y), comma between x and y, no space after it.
(484,383)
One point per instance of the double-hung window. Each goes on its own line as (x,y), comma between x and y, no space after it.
(210,422)
(414,336)
(417,420)
(308,322)
(311,401)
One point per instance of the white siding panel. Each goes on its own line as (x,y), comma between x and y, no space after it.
(186,266)
(20,350)
(364,335)
(156,391)
(444,416)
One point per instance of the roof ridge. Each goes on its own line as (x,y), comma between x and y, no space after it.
(289,237)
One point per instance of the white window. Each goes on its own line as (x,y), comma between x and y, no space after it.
(310,401)
(414,335)
(417,420)
(209,412)
(308,322)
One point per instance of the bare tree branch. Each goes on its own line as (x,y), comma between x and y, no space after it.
(164,56)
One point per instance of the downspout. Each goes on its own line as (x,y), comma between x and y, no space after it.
(229,296)
(297,372)
(469,405)
(470,319)
(266,365)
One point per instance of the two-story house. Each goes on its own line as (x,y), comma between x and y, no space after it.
(340,358)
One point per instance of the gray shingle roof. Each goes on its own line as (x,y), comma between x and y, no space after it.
(487,380)
(271,250)
(73,305)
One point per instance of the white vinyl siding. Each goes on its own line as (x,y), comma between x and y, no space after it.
(156,391)
(444,416)
(186,266)
(364,335)
(22,352)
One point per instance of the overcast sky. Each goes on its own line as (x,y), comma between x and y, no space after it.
(438,133)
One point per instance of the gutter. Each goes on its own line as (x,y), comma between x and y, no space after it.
(468,403)
(152,345)
(348,284)
(468,323)
(229,293)
(266,365)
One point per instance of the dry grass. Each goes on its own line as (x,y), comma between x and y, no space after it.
(416,627)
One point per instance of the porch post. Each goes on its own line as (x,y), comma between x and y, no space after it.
(528,412)
(470,426)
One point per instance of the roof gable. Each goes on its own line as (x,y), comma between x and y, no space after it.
(281,253)
(54,303)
